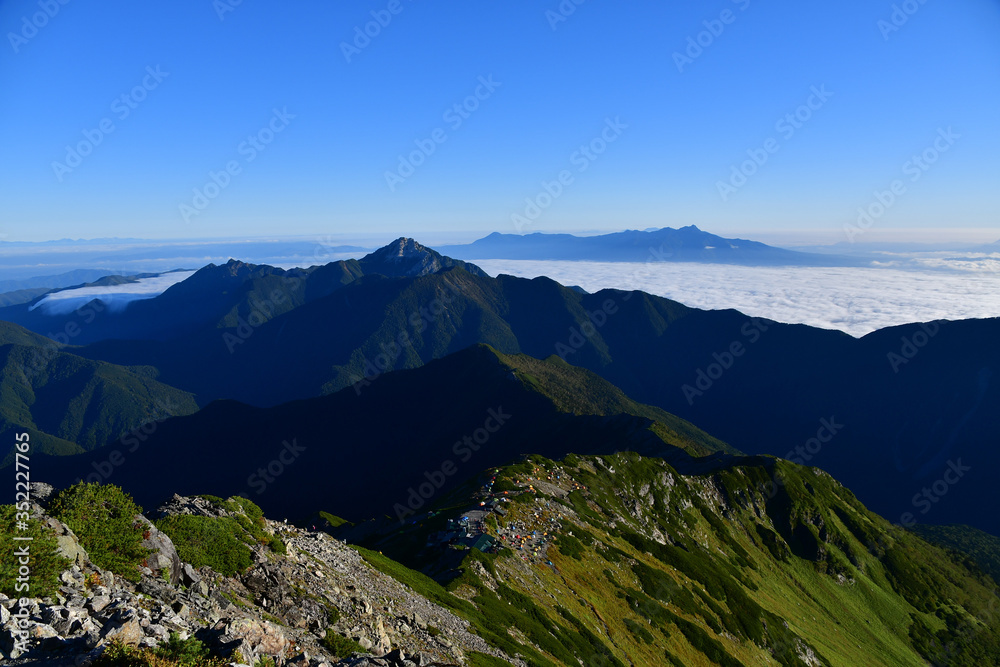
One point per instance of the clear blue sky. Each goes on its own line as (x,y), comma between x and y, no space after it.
(325,171)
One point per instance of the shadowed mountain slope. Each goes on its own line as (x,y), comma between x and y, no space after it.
(363,452)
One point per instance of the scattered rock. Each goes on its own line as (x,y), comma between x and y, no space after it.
(128,632)
(282,606)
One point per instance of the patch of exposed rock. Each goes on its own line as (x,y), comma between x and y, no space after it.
(281,607)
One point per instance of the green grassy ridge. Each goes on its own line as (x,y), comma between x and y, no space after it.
(579,391)
(71,404)
(724,568)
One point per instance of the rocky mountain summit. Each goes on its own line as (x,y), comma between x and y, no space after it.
(406,257)
(318,604)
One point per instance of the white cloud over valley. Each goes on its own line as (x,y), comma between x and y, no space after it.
(855,300)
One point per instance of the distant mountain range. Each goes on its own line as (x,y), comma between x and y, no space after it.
(27,260)
(890,414)
(687,244)
(68,279)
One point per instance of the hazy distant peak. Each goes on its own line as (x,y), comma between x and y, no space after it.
(686,244)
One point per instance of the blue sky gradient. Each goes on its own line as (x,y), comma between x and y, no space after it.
(346,119)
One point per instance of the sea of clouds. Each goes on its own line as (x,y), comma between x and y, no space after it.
(898,288)
(115,297)
(855,300)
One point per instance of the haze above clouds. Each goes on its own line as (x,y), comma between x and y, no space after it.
(855,300)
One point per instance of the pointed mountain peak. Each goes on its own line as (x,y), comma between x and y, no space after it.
(406,257)
(235,267)
(403,247)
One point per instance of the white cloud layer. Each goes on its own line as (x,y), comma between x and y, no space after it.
(855,300)
(116,297)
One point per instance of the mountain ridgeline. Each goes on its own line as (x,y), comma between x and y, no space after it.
(447,421)
(905,416)
(223,296)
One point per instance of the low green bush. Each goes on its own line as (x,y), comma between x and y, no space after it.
(175,653)
(103,518)
(213,541)
(570,546)
(639,631)
(45,563)
(188,651)
(340,646)
(276,545)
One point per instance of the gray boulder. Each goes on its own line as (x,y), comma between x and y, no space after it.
(164,556)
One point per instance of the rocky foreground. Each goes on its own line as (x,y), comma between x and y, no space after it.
(280,608)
